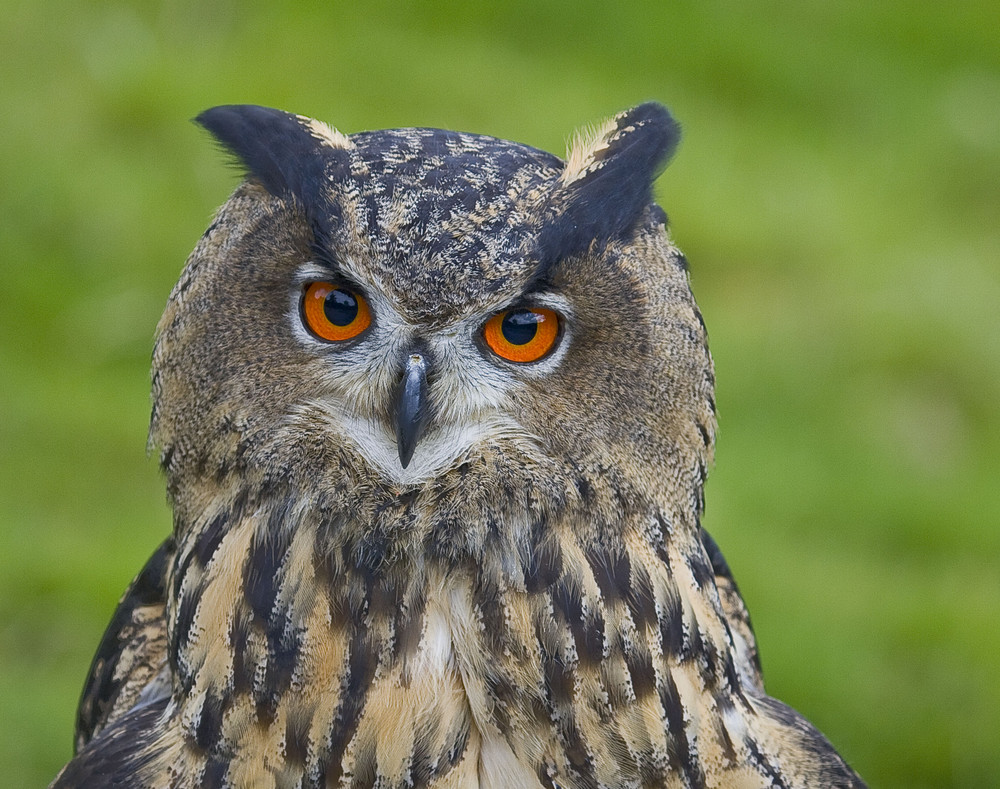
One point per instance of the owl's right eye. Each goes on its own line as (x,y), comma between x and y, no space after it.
(333,312)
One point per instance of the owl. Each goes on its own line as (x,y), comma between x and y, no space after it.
(435,412)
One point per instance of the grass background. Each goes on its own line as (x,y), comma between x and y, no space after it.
(837,193)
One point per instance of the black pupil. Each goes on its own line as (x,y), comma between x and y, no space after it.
(341,307)
(519,327)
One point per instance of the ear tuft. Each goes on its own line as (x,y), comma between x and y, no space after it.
(608,180)
(287,153)
(639,142)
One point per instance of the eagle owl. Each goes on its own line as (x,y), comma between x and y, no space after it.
(435,412)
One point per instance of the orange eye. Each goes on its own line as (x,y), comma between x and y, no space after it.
(332,312)
(522,335)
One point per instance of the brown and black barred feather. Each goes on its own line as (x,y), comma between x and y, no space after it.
(132,653)
(528,600)
(737,615)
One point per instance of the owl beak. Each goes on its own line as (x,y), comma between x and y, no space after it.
(411,407)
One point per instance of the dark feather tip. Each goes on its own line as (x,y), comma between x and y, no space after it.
(647,138)
(275,147)
(614,188)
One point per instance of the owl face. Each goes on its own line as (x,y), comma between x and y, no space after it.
(418,299)
(415,397)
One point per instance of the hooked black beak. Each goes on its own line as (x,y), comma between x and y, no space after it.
(411,407)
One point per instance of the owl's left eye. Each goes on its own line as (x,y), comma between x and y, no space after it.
(333,312)
(522,335)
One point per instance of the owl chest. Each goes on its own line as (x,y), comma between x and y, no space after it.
(430,712)
(351,701)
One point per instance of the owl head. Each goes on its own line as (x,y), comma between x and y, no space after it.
(402,306)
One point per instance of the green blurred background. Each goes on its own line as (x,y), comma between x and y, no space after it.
(837,192)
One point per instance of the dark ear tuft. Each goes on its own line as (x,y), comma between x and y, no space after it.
(608,180)
(283,151)
(644,139)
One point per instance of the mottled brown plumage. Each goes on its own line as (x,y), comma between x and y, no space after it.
(401,559)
